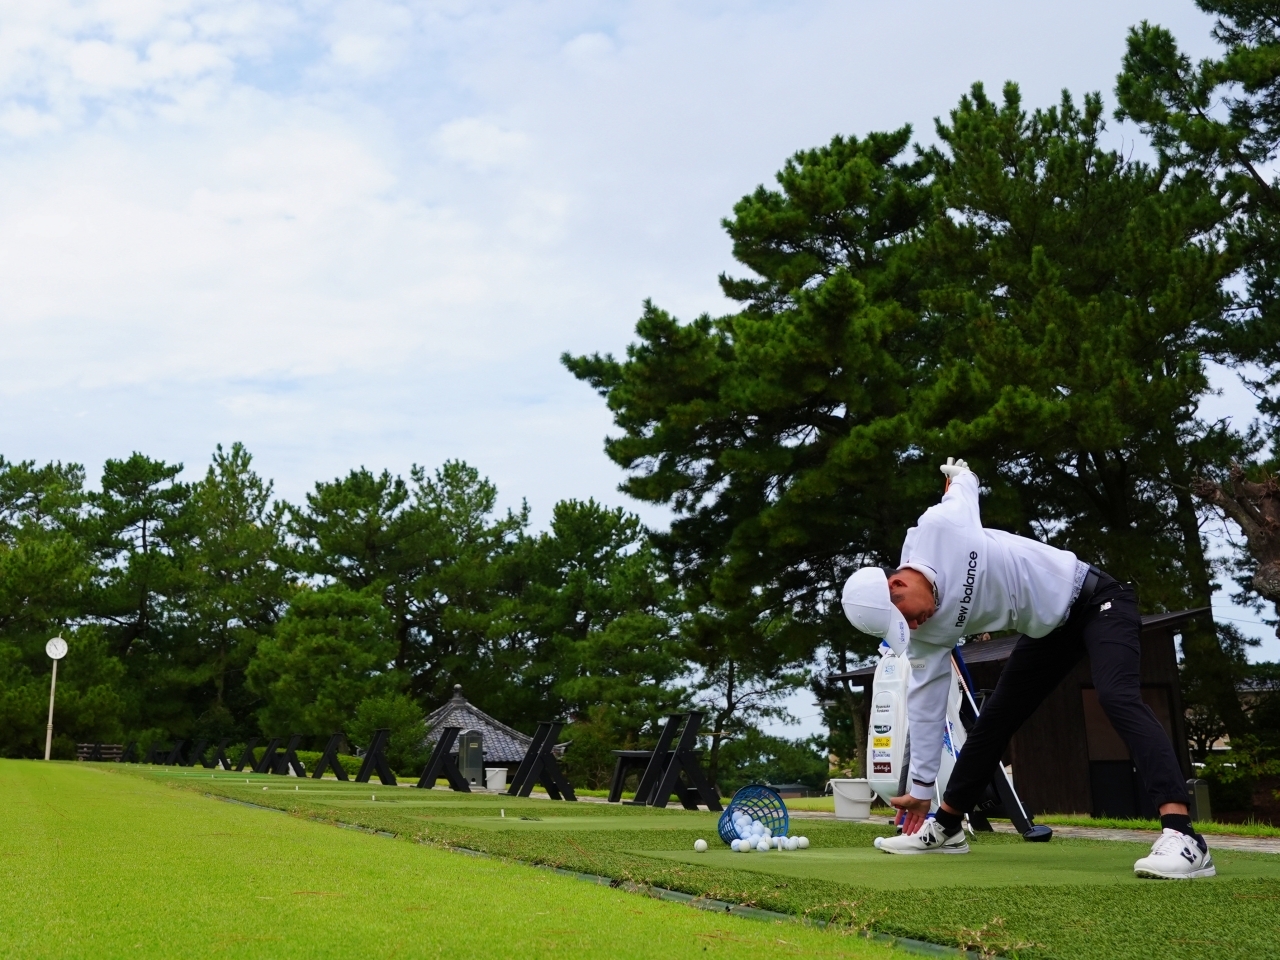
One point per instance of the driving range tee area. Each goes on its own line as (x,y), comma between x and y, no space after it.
(101,860)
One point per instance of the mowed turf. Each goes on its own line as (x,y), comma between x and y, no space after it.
(999,864)
(1066,899)
(95,864)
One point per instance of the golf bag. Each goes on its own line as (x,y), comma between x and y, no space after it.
(889,744)
(889,738)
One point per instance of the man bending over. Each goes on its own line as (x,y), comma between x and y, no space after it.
(956,579)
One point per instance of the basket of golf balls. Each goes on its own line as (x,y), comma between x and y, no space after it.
(756,819)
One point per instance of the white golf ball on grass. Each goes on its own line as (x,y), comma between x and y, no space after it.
(878,841)
(802,843)
(700,846)
(763,846)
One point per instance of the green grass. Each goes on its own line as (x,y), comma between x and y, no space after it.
(101,865)
(1009,864)
(822,804)
(1204,826)
(1066,899)
(828,805)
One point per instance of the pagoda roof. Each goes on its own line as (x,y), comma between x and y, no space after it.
(502,744)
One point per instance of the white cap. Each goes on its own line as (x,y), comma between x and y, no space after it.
(866,604)
(924,570)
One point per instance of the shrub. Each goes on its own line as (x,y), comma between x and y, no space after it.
(406,752)
(1232,774)
(310,758)
(760,758)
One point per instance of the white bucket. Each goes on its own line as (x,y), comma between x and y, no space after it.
(495,778)
(853,799)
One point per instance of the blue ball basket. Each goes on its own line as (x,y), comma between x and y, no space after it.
(760,803)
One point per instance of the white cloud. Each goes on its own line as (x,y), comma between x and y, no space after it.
(362,51)
(66,58)
(369,38)
(21,121)
(102,67)
(480,143)
(589,47)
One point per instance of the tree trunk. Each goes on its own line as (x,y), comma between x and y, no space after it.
(717,734)
(1255,508)
(859,735)
(1201,650)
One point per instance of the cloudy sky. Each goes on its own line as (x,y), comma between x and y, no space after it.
(362,233)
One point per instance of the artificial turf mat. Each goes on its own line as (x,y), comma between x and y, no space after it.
(998,863)
(94,864)
(1233,915)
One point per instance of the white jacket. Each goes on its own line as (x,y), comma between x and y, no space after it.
(987,580)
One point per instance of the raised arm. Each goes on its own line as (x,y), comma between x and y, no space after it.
(960,497)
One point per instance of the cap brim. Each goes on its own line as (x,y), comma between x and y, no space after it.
(898,634)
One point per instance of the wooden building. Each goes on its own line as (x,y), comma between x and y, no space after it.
(483,742)
(1067,758)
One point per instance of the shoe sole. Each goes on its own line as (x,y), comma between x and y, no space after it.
(912,853)
(1193,875)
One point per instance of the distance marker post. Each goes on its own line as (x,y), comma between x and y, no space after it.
(56,649)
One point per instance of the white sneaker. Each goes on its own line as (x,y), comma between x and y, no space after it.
(930,838)
(1176,856)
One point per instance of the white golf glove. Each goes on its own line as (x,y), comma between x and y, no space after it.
(953,468)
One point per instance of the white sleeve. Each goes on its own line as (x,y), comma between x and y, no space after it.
(931,540)
(927,712)
(960,502)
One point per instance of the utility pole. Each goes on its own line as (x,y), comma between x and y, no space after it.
(56,649)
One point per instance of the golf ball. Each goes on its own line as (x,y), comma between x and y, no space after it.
(878,841)
(802,843)
(762,846)
(793,843)
(700,846)
(733,845)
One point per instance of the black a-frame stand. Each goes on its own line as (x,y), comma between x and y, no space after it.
(330,759)
(268,761)
(288,760)
(130,754)
(375,759)
(246,755)
(155,753)
(676,771)
(196,754)
(444,763)
(219,757)
(174,759)
(540,766)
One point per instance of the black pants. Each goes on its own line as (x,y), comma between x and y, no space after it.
(1106,626)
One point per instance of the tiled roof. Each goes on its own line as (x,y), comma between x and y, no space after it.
(502,744)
